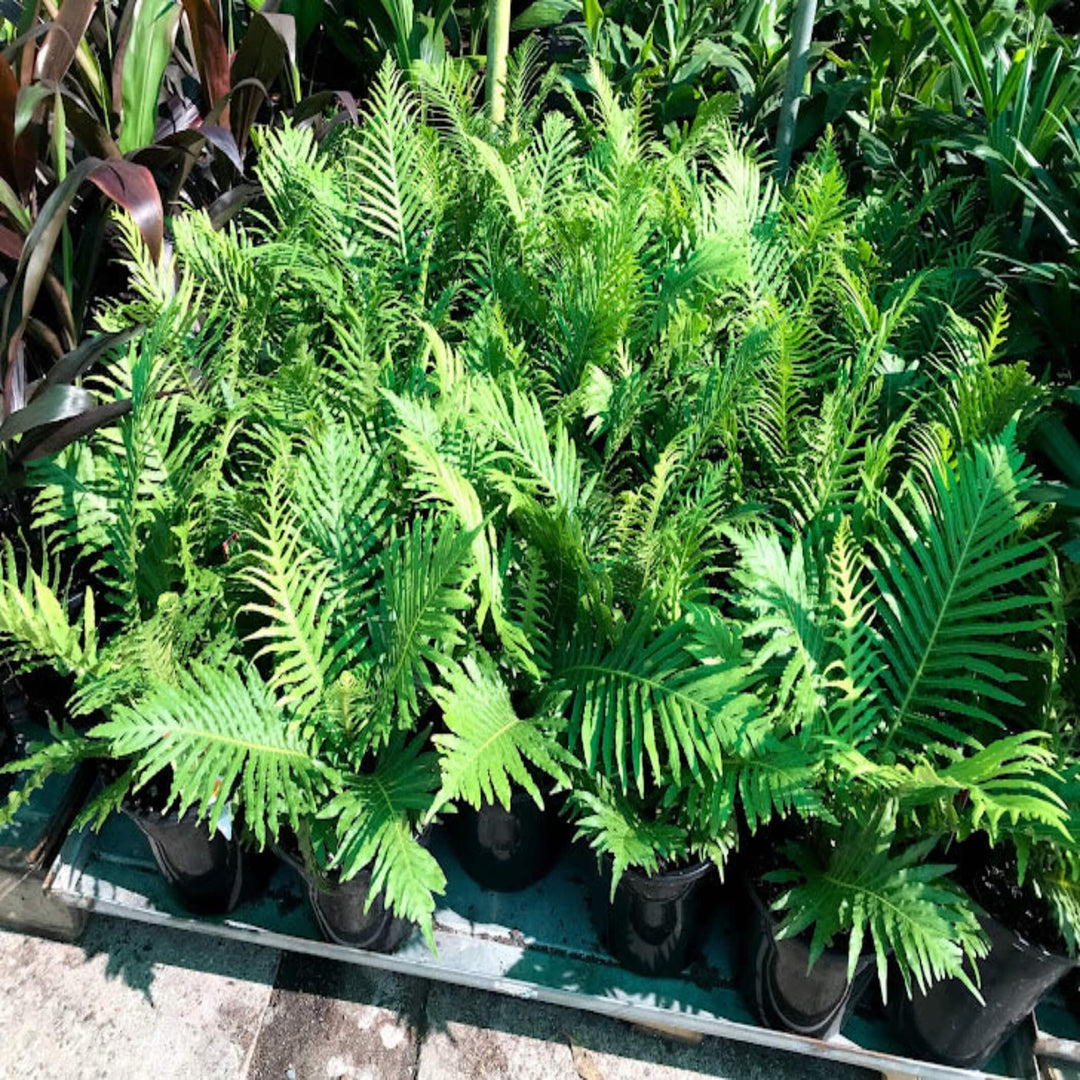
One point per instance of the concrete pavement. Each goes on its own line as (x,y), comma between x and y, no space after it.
(130,1002)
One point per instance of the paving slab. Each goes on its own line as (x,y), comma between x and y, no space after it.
(472,1035)
(130,1002)
(333,1021)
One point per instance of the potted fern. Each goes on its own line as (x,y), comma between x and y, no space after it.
(882,713)
(1026,883)
(122,504)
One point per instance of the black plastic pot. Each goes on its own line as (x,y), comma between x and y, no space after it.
(787,996)
(653,923)
(339,908)
(508,850)
(208,874)
(949,1025)
(7,753)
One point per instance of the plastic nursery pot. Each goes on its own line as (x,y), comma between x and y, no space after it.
(338,907)
(787,996)
(653,923)
(208,874)
(8,751)
(508,850)
(949,1024)
(339,911)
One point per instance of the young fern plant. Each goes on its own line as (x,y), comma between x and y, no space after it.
(887,653)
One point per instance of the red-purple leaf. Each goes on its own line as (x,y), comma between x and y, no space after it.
(222,140)
(78,361)
(67,432)
(228,205)
(63,39)
(11,243)
(269,46)
(132,187)
(15,376)
(90,133)
(42,239)
(317,103)
(18,157)
(211,53)
(127,184)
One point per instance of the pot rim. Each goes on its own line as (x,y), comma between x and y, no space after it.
(695,870)
(1030,946)
(865,958)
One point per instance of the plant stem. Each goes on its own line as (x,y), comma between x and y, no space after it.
(802,32)
(498,48)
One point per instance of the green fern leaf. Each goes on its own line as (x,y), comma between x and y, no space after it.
(373,818)
(648,698)
(907,906)
(35,629)
(488,747)
(426,591)
(618,830)
(951,585)
(221,733)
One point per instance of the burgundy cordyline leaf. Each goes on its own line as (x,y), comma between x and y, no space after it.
(132,187)
(15,376)
(211,54)
(11,243)
(58,50)
(269,46)
(52,404)
(127,184)
(17,156)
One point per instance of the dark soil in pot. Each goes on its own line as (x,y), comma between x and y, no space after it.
(949,1024)
(654,923)
(209,874)
(787,996)
(509,850)
(338,907)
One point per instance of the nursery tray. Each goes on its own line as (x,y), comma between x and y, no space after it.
(28,848)
(538,944)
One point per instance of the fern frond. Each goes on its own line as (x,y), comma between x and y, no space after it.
(58,756)
(374,816)
(1012,778)
(648,697)
(488,747)
(394,203)
(782,598)
(221,733)
(426,576)
(615,828)
(35,627)
(295,606)
(951,583)
(907,905)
